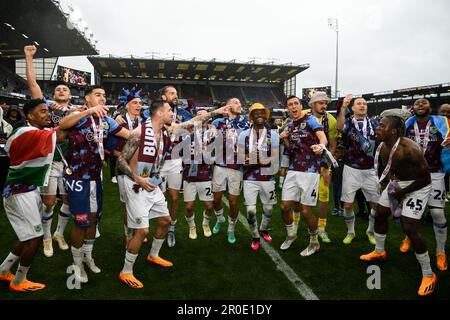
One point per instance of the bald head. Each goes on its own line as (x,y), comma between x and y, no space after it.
(444,110)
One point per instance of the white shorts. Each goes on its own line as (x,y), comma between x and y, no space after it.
(301,186)
(413,205)
(55,181)
(355,179)
(265,189)
(172,174)
(437,195)
(121,184)
(204,190)
(226,176)
(143,206)
(24,212)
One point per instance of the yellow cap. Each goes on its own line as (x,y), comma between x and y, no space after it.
(258,106)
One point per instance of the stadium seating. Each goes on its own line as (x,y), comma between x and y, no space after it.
(201,95)
(263,95)
(223,93)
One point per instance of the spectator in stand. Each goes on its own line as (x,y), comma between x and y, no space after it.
(13,115)
(277,123)
(5,131)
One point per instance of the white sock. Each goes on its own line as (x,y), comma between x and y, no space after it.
(63,219)
(47,218)
(266,217)
(380,239)
(21,274)
(87,248)
(440,228)
(290,230)
(191,221)
(206,219)
(77,255)
(8,262)
(130,259)
(424,261)
(349,218)
(371,227)
(231,224)
(156,246)
(172,226)
(219,215)
(441,237)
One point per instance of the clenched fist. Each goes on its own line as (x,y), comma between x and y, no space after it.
(29,51)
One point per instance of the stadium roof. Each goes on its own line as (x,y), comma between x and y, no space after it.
(42,22)
(110,67)
(443,88)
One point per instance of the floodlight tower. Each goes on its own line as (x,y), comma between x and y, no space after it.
(333,24)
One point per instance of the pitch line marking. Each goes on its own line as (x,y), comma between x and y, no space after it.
(304,290)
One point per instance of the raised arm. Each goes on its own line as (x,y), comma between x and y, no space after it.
(203,118)
(340,126)
(35,90)
(72,119)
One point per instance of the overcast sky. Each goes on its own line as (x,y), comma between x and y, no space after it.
(384,45)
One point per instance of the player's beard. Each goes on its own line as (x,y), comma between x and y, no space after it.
(59,101)
(425,114)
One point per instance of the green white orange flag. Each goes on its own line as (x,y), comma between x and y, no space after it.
(31,152)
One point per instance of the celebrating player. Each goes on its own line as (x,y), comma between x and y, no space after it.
(305,142)
(227,172)
(83,173)
(358,135)
(58,109)
(429,132)
(133,105)
(318,104)
(31,149)
(141,161)
(405,162)
(260,147)
(197,176)
(172,170)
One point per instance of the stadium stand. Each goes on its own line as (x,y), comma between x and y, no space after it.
(200,94)
(264,95)
(205,82)
(223,93)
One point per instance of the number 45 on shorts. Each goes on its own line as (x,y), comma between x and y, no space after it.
(416,205)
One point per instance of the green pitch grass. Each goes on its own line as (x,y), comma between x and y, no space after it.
(210,268)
